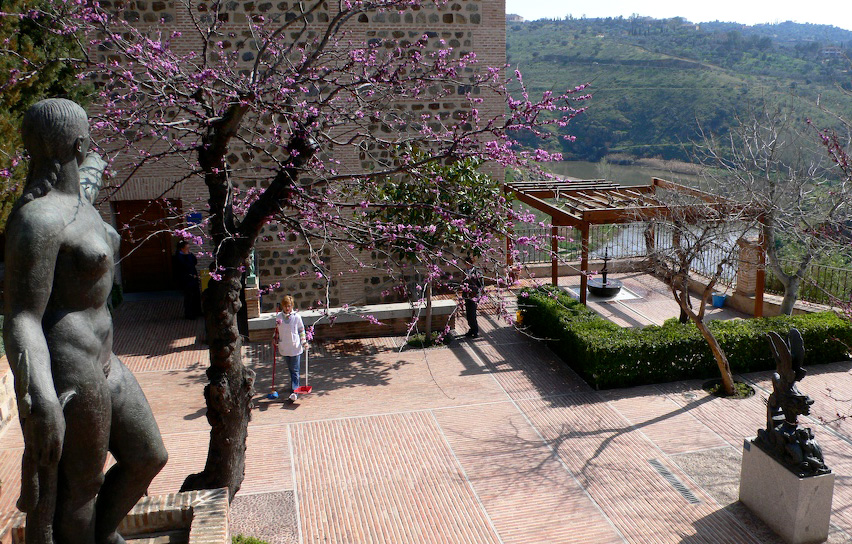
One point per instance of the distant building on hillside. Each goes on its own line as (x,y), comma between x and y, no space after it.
(514,18)
(832,53)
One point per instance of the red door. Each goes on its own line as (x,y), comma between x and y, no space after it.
(146,243)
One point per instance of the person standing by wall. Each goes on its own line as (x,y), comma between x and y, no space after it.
(292,341)
(471,291)
(186,274)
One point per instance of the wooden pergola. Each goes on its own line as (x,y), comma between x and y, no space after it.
(583,203)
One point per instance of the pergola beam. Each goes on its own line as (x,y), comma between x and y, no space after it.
(558,216)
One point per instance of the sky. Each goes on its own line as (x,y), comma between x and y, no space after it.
(828,12)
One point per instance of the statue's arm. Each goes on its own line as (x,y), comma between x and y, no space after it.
(91,176)
(32,247)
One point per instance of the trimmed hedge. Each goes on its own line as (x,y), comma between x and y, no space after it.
(608,356)
(242,539)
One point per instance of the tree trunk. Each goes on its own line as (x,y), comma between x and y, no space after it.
(791,282)
(791,294)
(719,355)
(429,312)
(230,387)
(684,289)
(715,348)
(228,393)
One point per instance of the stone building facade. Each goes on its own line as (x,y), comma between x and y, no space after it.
(464,25)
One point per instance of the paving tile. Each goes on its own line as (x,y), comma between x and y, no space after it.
(381,383)
(731,419)
(529,494)
(383,479)
(509,364)
(270,517)
(664,422)
(611,461)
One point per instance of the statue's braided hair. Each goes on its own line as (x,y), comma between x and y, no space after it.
(50,130)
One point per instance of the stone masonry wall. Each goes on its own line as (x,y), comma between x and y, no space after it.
(464,25)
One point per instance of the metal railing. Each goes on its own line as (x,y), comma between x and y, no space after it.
(821,284)
(618,241)
(622,241)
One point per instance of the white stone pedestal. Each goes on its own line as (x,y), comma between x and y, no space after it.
(797,509)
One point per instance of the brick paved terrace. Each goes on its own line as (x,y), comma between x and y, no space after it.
(488,440)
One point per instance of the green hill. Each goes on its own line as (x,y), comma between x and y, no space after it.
(654,81)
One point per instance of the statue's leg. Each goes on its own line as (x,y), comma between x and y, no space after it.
(80,473)
(138,449)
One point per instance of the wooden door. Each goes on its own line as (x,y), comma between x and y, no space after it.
(146,243)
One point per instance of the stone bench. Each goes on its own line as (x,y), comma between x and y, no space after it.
(352,322)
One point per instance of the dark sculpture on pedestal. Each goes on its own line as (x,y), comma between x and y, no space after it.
(76,400)
(789,443)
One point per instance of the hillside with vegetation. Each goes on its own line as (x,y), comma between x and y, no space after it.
(655,82)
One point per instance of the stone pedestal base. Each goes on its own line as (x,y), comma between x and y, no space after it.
(797,509)
(189,517)
(252,302)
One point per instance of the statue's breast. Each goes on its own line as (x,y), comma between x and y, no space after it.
(89,257)
(87,250)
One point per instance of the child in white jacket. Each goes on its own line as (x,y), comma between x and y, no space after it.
(291,340)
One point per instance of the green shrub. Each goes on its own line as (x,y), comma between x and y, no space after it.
(607,355)
(240,539)
(418,340)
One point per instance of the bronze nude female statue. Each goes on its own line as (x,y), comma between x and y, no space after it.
(77,401)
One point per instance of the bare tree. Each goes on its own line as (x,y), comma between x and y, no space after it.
(696,244)
(771,159)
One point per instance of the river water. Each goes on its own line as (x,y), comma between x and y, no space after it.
(621,174)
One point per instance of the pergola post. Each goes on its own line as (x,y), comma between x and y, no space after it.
(760,276)
(584,261)
(554,252)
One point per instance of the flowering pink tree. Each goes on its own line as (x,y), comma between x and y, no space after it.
(298,96)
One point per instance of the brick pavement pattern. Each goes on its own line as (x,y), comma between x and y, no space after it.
(488,440)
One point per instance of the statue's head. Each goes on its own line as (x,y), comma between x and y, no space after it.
(795,403)
(56,129)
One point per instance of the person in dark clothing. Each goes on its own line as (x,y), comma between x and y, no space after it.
(471,290)
(186,275)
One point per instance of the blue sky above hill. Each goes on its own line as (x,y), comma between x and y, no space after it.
(829,12)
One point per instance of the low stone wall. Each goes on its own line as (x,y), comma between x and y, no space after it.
(354,323)
(195,517)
